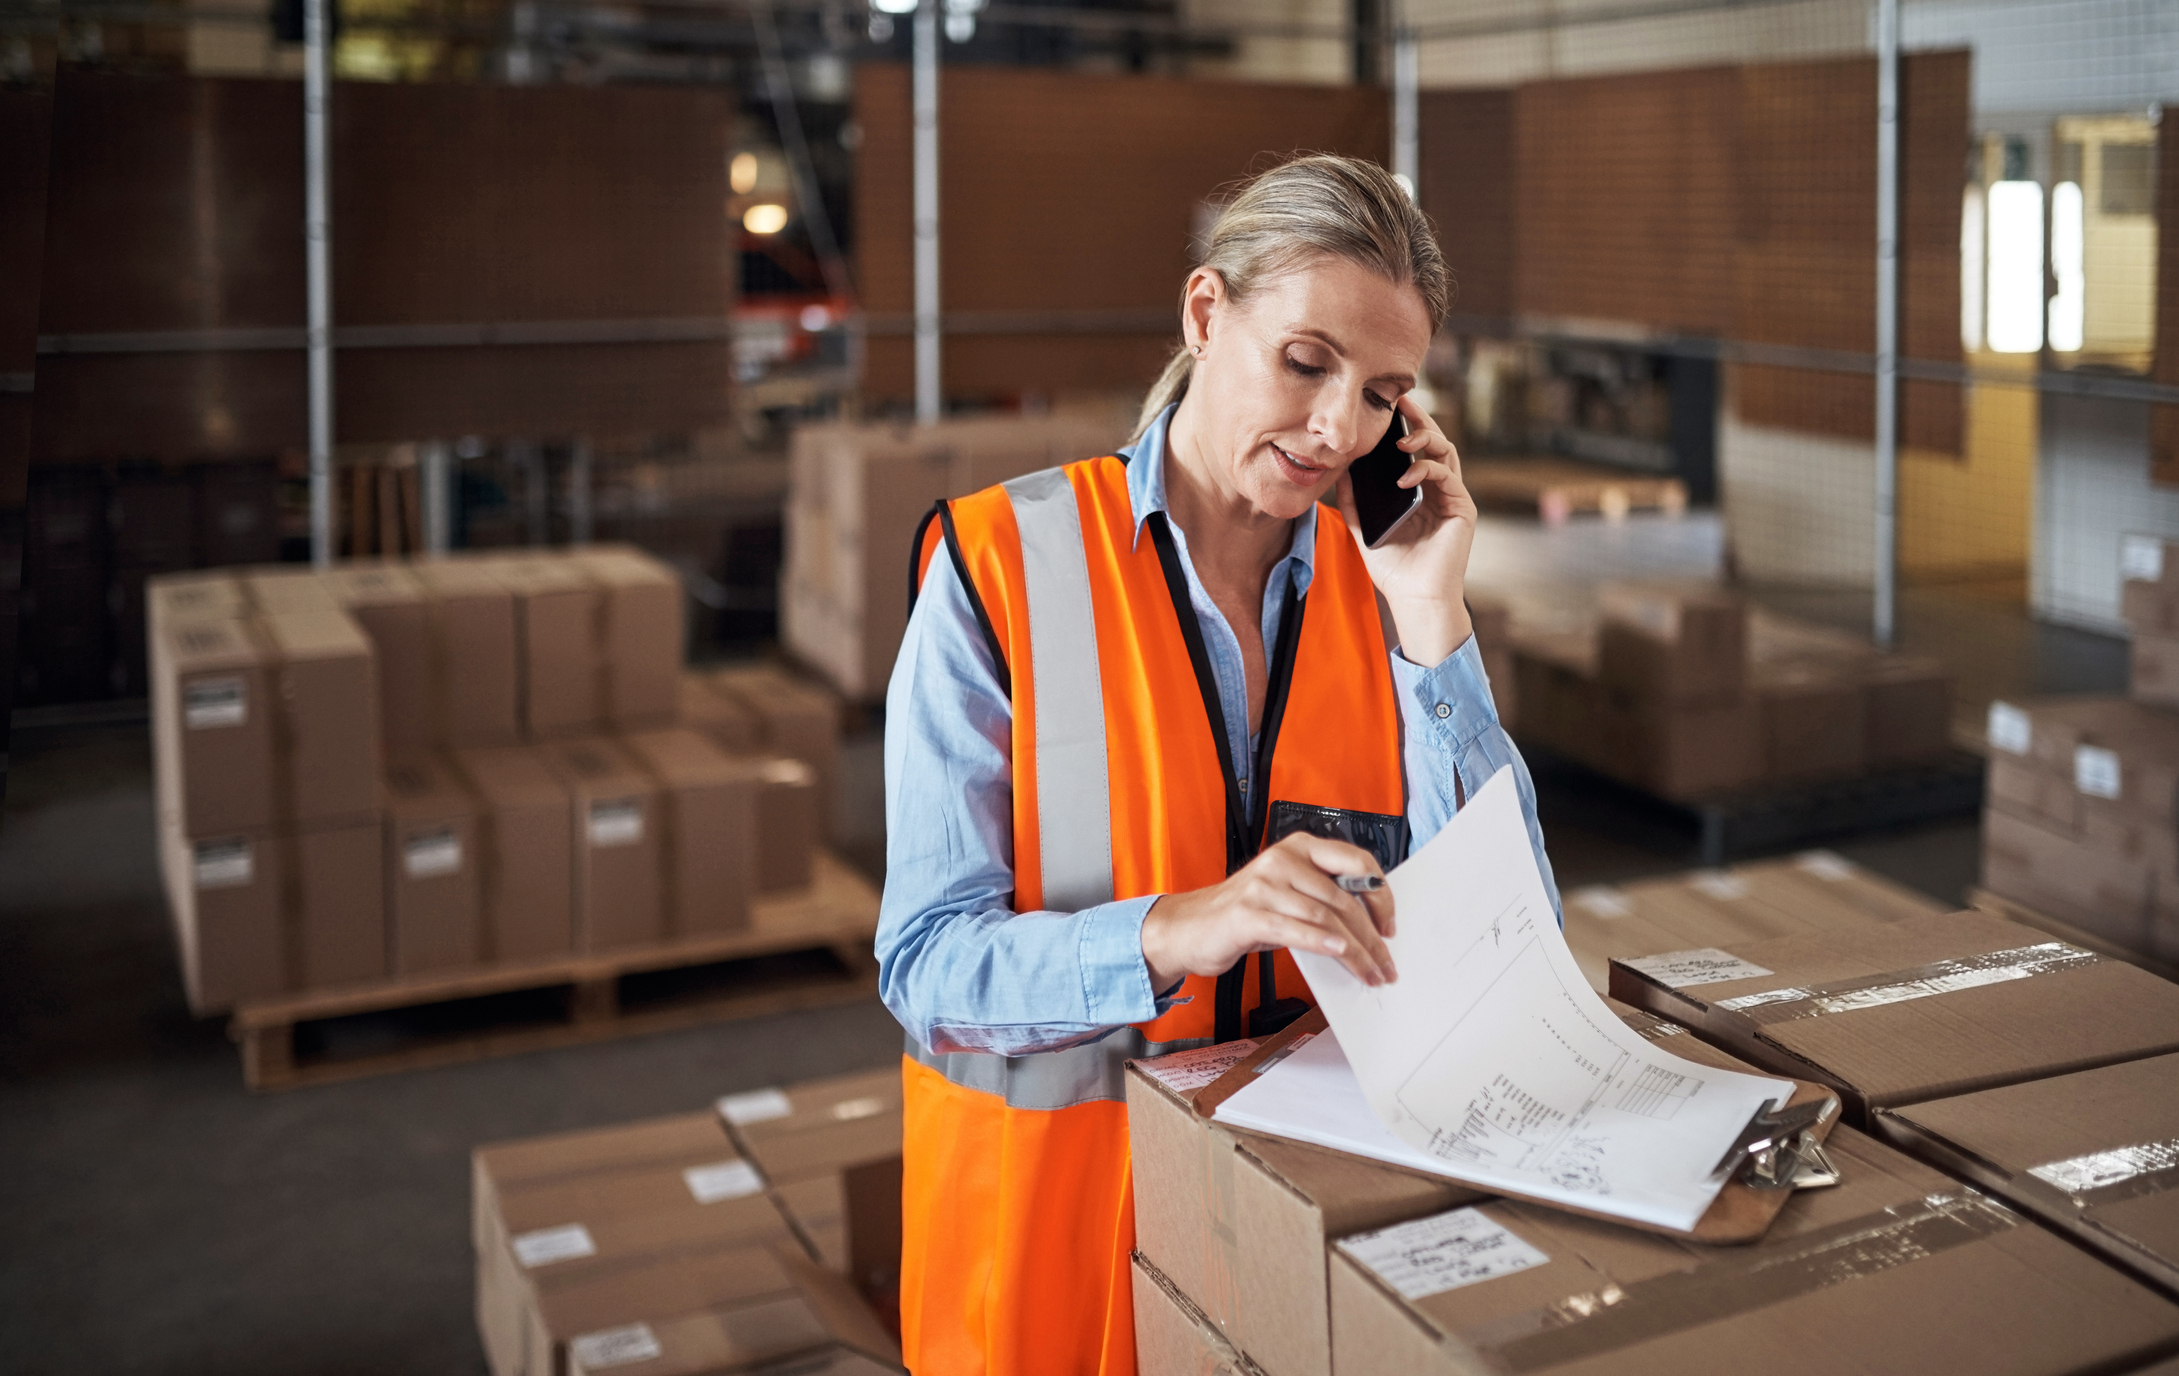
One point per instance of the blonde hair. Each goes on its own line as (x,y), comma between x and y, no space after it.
(1316,205)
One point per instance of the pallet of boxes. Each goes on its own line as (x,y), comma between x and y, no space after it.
(763,1235)
(858,493)
(2081,813)
(1262,1254)
(388,785)
(1683,692)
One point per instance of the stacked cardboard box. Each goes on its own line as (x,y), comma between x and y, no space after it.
(654,1248)
(384,770)
(2091,1155)
(1908,1011)
(2149,601)
(1818,891)
(2081,816)
(1894,1269)
(857,494)
(1684,693)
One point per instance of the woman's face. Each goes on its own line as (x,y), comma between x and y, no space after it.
(1301,380)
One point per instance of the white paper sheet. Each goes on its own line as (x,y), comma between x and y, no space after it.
(1491,1061)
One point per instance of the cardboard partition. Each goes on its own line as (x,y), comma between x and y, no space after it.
(1894,1269)
(2093,1155)
(641,633)
(1924,1008)
(616,838)
(433,893)
(1239,1222)
(525,852)
(1172,1336)
(475,695)
(710,815)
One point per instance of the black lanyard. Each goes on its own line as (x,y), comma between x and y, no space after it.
(1244,815)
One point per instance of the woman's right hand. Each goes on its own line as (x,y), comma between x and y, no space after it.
(1287,896)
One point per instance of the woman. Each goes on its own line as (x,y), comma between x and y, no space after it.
(1121,679)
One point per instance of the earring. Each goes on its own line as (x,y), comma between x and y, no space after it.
(1196,349)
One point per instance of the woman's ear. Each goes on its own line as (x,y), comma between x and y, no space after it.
(1201,303)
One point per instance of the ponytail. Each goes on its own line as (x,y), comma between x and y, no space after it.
(1171,386)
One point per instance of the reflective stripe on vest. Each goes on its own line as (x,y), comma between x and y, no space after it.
(1052,1080)
(1073,792)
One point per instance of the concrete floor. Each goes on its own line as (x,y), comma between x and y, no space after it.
(161,1219)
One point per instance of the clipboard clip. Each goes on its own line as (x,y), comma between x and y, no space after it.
(1779,1149)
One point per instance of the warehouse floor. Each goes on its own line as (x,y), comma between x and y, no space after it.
(161,1218)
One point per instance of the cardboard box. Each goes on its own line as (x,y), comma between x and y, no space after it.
(831,1149)
(642,634)
(789,821)
(213,706)
(433,898)
(613,808)
(1924,1008)
(1906,712)
(556,611)
(1239,1222)
(2104,894)
(1895,1269)
(2090,1155)
(759,1118)
(1814,892)
(1172,1336)
(2016,786)
(799,720)
(2154,673)
(472,618)
(734,727)
(1672,644)
(534,1161)
(326,676)
(525,852)
(709,812)
(556,1311)
(1690,751)
(1815,722)
(259,913)
(226,896)
(288,588)
(391,605)
(822,1329)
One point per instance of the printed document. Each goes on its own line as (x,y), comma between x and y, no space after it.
(1491,1061)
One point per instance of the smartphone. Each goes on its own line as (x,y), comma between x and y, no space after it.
(1378,497)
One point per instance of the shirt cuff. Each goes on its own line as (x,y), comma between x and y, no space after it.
(1115,978)
(1454,696)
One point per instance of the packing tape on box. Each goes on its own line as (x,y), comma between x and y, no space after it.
(1616,1317)
(1221,1297)
(2119,1173)
(1901,986)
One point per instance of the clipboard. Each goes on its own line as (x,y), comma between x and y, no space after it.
(1776,1154)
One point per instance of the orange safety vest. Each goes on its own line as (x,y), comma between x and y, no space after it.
(1017,1205)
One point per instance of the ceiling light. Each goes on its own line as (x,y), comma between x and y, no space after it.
(767,218)
(741,173)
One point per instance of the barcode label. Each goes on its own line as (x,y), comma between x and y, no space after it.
(431,854)
(2096,771)
(1184,1072)
(848,1110)
(1432,1255)
(567,1242)
(611,1347)
(2009,729)
(2141,559)
(722,1180)
(757,1106)
(225,864)
(1685,969)
(208,702)
(616,824)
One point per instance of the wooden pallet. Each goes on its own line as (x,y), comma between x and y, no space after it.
(801,950)
(2001,906)
(1555,490)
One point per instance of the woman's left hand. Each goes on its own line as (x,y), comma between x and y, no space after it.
(1423,569)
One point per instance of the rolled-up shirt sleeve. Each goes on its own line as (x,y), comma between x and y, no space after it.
(957,965)
(1452,743)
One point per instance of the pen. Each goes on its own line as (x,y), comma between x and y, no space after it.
(1361,883)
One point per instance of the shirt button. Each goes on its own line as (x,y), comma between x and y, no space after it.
(1444,710)
(1244,785)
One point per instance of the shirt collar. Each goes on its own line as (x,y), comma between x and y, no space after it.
(1146,493)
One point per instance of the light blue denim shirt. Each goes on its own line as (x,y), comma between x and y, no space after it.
(956,964)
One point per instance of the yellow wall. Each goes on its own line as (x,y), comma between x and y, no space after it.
(1971,516)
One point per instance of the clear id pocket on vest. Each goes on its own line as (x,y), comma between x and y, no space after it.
(1381,834)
